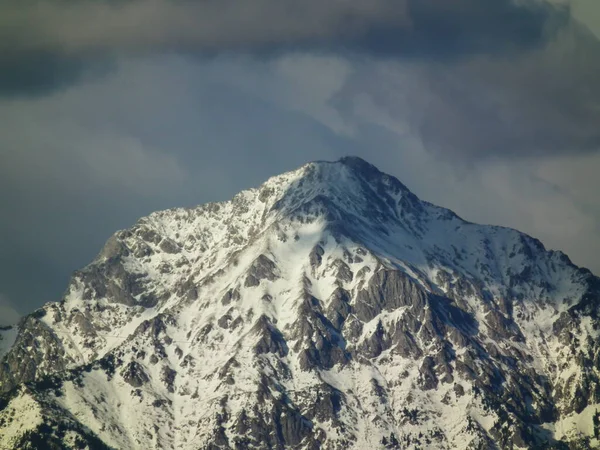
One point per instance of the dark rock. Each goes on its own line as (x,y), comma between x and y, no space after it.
(227,369)
(363,272)
(339,307)
(261,269)
(316,256)
(225,320)
(83,324)
(404,344)
(323,344)
(342,271)
(167,376)
(327,404)
(142,250)
(230,295)
(388,290)
(352,329)
(156,326)
(148,235)
(290,426)
(36,346)
(134,374)
(459,390)
(109,279)
(377,342)
(271,339)
(169,246)
(428,377)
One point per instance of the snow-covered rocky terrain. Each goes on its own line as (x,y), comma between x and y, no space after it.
(329,308)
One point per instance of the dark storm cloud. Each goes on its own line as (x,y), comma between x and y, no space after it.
(38,72)
(540,101)
(45,44)
(457,28)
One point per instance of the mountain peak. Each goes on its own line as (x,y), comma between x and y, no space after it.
(329,308)
(356,167)
(359,164)
(343,170)
(348,187)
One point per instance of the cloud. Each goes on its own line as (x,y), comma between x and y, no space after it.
(39,71)
(8,314)
(159,25)
(538,102)
(50,149)
(302,82)
(235,24)
(455,28)
(66,37)
(588,12)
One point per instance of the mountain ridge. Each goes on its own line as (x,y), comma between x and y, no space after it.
(332,279)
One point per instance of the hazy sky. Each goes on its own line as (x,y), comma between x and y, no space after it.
(110,110)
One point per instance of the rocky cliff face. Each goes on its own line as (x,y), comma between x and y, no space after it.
(330,308)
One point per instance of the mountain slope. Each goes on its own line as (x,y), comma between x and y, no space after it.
(329,308)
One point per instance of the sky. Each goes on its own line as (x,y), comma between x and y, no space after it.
(112,109)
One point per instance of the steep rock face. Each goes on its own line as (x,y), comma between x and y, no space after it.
(330,308)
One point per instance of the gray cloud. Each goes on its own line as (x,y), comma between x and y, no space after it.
(8,315)
(64,36)
(545,100)
(499,77)
(234,24)
(38,72)
(150,25)
(457,28)
(538,102)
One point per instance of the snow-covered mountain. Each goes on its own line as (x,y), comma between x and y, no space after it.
(329,308)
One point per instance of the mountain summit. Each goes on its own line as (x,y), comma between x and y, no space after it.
(329,308)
